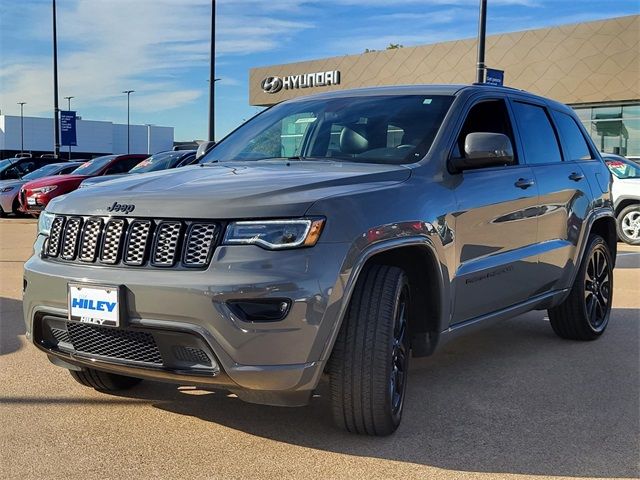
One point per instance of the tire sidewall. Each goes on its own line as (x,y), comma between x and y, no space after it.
(621,235)
(596,243)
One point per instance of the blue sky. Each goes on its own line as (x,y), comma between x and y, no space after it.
(160,49)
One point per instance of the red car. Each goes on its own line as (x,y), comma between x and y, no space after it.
(35,195)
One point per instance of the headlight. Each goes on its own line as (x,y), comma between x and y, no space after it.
(44,223)
(48,189)
(7,189)
(275,234)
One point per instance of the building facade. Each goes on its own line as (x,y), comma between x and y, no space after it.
(93,137)
(592,66)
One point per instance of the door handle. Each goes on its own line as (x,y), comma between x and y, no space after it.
(525,183)
(576,176)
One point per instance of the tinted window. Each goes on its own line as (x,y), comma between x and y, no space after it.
(159,161)
(623,169)
(490,116)
(353,129)
(538,138)
(572,138)
(92,167)
(43,172)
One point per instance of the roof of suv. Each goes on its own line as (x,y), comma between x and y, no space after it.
(430,89)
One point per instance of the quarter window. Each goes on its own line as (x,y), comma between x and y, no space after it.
(572,138)
(538,138)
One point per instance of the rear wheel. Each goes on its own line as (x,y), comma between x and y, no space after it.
(628,223)
(103,381)
(584,315)
(369,365)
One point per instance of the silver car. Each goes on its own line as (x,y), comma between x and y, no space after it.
(626,197)
(9,189)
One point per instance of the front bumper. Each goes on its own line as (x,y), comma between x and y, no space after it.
(273,362)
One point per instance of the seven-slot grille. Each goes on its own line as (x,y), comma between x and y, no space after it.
(133,242)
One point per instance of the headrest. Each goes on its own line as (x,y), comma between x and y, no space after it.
(353,139)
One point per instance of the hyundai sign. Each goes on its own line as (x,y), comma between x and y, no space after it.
(304,80)
(68,128)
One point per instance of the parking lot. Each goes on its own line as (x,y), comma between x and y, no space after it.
(513,401)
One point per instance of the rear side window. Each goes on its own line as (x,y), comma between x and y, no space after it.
(573,140)
(538,138)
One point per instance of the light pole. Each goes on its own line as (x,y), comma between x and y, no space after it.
(68,99)
(56,125)
(212,73)
(128,92)
(22,104)
(482,33)
(149,125)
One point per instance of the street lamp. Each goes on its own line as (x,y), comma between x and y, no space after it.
(22,104)
(482,33)
(212,73)
(149,125)
(56,125)
(128,92)
(68,99)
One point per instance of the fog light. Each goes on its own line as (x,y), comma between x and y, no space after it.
(264,310)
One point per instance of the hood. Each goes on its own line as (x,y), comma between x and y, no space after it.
(231,189)
(12,183)
(54,180)
(101,179)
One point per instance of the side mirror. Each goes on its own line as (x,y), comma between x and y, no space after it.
(483,149)
(203,149)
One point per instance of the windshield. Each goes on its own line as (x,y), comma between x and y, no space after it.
(43,172)
(92,167)
(373,129)
(5,163)
(159,161)
(623,169)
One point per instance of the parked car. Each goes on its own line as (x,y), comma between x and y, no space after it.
(9,189)
(16,168)
(626,196)
(156,162)
(35,195)
(395,219)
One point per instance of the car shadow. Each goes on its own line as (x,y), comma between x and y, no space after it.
(11,325)
(512,398)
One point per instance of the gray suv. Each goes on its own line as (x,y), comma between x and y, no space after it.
(330,237)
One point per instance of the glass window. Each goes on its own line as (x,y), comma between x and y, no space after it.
(92,167)
(614,129)
(538,138)
(623,169)
(373,129)
(572,137)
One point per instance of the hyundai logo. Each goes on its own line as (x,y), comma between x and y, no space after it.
(271,84)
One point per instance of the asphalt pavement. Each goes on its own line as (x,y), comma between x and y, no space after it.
(512,401)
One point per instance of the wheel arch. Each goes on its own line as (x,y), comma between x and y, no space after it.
(606,228)
(419,258)
(624,203)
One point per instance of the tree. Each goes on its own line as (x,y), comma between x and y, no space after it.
(391,46)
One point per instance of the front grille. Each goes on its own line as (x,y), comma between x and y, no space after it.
(113,343)
(132,242)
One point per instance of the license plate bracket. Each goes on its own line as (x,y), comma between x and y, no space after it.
(95,304)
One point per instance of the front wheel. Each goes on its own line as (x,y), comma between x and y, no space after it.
(584,315)
(628,223)
(369,365)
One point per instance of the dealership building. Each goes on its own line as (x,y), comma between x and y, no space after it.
(93,137)
(594,67)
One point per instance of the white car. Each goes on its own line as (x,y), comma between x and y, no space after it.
(626,197)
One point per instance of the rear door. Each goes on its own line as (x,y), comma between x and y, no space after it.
(495,223)
(562,185)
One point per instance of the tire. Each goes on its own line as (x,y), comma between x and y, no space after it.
(628,225)
(370,360)
(584,314)
(3,214)
(103,381)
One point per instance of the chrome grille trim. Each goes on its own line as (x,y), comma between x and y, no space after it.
(89,240)
(136,247)
(55,235)
(166,244)
(111,241)
(132,242)
(200,239)
(71,237)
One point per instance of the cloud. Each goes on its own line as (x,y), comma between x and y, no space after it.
(146,45)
